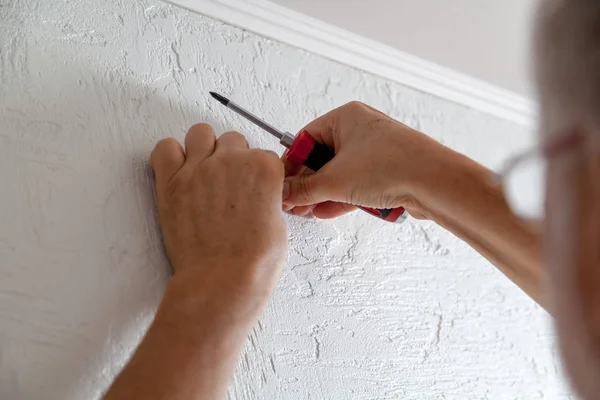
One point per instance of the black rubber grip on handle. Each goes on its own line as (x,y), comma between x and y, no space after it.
(318,157)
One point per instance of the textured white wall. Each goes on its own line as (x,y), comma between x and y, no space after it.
(364,310)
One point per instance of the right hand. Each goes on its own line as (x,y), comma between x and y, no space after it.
(379,163)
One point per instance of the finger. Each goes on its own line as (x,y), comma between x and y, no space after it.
(166,159)
(325,128)
(331,209)
(291,168)
(303,211)
(273,154)
(322,129)
(199,142)
(307,189)
(231,140)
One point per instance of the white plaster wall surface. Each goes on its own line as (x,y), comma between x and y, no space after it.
(364,310)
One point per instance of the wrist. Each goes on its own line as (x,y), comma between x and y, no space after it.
(215,297)
(437,173)
(192,346)
(447,177)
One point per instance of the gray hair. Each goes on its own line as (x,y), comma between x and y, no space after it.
(567,63)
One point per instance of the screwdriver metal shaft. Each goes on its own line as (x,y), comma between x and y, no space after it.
(285,138)
(305,150)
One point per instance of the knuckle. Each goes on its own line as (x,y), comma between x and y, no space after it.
(232,141)
(201,126)
(167,141)
(304,188)
(272,154)
(219,161)
(273,160)
(355,105)
(268,163)
(262,157)
(164,143)
(160,149)
(234,134)
(199,129)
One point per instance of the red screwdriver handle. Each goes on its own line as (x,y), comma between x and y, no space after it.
(307,151)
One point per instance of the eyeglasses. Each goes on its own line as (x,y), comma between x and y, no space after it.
(523,177)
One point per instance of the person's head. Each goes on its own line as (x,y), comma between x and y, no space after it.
(567,66)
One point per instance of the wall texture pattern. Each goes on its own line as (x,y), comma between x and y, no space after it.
(364,310)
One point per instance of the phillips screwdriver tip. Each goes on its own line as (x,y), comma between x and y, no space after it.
(221,99)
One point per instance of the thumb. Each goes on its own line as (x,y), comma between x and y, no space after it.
(306,189)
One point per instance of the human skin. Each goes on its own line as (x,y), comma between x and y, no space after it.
(383,163)
(217,293)
(567,69)
(220,214)
(219,206)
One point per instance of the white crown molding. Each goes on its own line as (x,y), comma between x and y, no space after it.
(279,23)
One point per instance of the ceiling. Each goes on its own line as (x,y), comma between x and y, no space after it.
(487,39)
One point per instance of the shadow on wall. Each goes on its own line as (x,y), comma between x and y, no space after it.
(82,262)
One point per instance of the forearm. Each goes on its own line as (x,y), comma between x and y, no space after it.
(190,350)
(464,200)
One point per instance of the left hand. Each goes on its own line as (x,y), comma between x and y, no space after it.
(219,206)
(220,214)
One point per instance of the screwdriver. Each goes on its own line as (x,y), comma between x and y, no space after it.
(305,150)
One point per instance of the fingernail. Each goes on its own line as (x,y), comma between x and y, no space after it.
(286,207)
(286,190)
